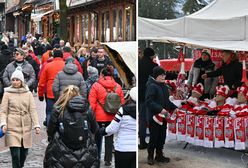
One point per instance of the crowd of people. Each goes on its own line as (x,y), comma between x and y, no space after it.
(162,101)
(84,103)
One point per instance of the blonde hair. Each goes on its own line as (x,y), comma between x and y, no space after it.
(68,92)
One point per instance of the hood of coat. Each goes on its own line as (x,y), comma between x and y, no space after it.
(11,89)
(6,52)
(130,108)
(107,82)
(70,68)
(77,104)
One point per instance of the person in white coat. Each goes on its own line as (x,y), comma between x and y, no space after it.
(124,128)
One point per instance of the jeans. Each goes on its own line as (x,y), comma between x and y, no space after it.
(49,108)
(157,136)
(142,121)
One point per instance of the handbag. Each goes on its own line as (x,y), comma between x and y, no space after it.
(1,133)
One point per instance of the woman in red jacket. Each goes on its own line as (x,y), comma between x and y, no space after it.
(98,94)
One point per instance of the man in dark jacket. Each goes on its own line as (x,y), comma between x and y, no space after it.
(101,61)
(55,40)
(5,58)
(145,66)
(157,101)
(231,70)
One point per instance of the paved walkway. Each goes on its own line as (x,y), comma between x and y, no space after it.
(37,152)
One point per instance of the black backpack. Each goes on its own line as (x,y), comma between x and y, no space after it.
(74,129)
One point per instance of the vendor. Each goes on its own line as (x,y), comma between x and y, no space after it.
(201,66)
(231,70)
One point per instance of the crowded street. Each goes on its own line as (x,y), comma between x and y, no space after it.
(36,154)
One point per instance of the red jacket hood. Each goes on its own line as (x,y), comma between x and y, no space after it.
(107,82)
(66,55)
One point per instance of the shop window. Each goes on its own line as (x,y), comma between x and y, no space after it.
(85,20)
(105,27)
(94,27)
(130,22)
(120,27)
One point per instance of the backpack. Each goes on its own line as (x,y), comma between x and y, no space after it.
(112,101)
(74,129)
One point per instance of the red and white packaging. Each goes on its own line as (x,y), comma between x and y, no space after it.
(199,130)
(190,128)
(181,127)
(208,132)
(172,130)
(219,132)
(240,125)
(229,132)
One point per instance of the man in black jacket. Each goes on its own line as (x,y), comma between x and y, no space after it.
(231,70)
(157,101)
(145,68)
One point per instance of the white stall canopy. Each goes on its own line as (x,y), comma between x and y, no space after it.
(223,24)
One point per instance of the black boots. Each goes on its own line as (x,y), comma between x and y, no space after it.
(150,158)
(159,156)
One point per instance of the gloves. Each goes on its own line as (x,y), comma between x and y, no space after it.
(102,131)
(41,98)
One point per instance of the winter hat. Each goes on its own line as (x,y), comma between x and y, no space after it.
(18,74)
(148,52)
(222,90)
(207,52)
(57,53)
(92,71)
(133,93)
(157,71)
(69,60)
(57,46)
(243,89)
(198,88)
(20,51)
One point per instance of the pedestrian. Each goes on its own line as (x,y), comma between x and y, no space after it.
(35,66)
(157,101)
(231,70)
(124,128)
(69,76)
(201,66)
(145,68)
(17,117)
(92,78)
(19,63)
(71,145)
(55,40)
(97,97)
(67,54)
(5,59)
(46,81)
(101,60)
(47,54)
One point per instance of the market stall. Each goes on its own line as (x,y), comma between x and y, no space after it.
(222,25)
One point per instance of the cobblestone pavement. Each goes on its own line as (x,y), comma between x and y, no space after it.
(36,153)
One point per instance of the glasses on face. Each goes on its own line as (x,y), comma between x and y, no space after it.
(17,53)
(15,79)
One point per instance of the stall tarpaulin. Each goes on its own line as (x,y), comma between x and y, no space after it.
(223,24)
(123,56)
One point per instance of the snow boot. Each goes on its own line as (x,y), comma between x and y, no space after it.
(160,158)
(150,158)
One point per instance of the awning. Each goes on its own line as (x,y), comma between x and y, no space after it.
(123,56)
(37,17)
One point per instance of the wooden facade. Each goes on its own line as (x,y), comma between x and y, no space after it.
(104,21)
